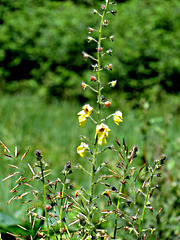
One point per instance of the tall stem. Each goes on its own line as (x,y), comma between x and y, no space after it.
(99,111)
(145,204)
(118,204)
(44,199)
(61,209)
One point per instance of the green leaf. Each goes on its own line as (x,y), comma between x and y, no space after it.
(6,220)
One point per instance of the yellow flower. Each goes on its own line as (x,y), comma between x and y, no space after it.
(102,131)
(84,114)
(113,83)
(118,117)
(82,149)
(82,121)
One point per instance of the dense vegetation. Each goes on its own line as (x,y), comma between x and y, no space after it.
(30,121)
(42,43)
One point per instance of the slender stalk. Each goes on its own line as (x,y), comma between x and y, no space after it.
(44,199)
(61,209)
(145,204)
(98,112)
(119,201)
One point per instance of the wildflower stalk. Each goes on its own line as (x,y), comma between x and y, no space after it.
(44,192)
(99,110)
(67,170)
(145,203)
(119,201)
(62,196)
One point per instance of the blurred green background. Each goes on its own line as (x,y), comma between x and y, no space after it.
(41,70)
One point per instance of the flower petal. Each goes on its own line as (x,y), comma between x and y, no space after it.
(82,149)
(102,131)
(118,117)
(82,121)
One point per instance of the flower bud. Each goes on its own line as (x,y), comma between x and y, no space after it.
(100,49)
(38,154)
(94,11)
(76,193)
(48,207)
(110,66)
(107,104)
(109,51)
(68,165)
(85,55)
(82,221)
(113,3)
(151,209)
(90,39)
(102,6)
(111,38)
(90,30)
(93,78)
(113,83)
(105,22)
(113,12)
(40,234)
(84,85)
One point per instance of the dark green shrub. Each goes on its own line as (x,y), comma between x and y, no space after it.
(41,41)
(148,46)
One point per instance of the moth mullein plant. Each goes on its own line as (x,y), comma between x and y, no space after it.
(97,85)
(116,201)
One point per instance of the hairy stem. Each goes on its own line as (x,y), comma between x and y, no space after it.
(98,112)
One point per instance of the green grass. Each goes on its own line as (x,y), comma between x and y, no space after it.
(53,128)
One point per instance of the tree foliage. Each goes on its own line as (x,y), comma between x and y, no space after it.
(42,41)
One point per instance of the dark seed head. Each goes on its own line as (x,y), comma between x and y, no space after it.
(68,165)
(38,154)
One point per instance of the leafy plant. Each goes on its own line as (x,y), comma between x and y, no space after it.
(118,196)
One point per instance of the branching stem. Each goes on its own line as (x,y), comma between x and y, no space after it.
(145,204)
(119,201)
